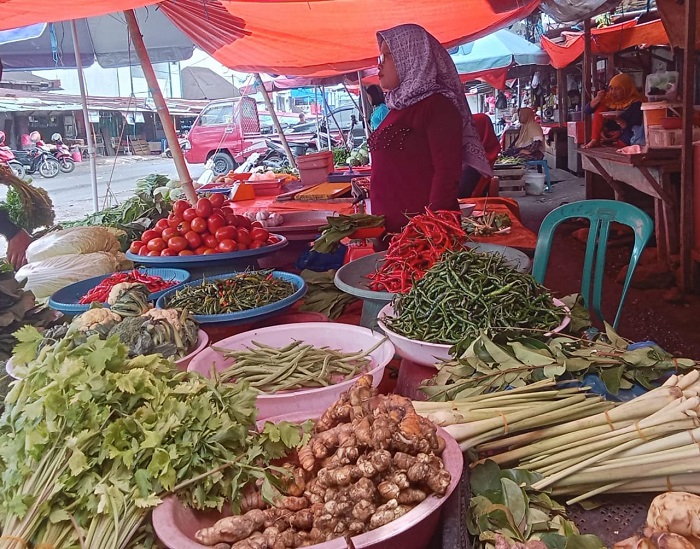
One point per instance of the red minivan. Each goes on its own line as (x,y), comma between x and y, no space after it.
(223,131)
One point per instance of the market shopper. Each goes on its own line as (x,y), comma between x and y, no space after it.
(379,110)
(623,98)
(529,144)
(428,137)
(471,177)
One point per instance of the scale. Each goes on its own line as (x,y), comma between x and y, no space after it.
(361,240)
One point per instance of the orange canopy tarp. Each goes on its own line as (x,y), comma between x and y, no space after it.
(605,41)
(20,13)
(324,38)
(493,77)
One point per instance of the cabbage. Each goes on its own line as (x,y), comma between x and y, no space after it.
(78,240)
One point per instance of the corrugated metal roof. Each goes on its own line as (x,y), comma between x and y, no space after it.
(25,101)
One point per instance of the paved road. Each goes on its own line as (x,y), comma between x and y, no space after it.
(72,193)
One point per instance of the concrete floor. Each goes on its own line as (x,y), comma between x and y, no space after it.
(647,315)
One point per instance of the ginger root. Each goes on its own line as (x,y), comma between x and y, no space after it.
(676,512)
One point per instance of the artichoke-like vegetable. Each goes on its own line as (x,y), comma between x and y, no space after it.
(132,301)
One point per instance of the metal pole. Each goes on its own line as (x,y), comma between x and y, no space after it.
(340,130)
(325,117)
(275,120)
(587,76)
(161,106)
(363,102)
(86,117)
(318,126)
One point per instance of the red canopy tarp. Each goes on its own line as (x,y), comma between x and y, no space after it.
(605,41)
(324,38)
(20,13)
(493,77)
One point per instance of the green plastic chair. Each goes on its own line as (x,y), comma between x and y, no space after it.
(600,213)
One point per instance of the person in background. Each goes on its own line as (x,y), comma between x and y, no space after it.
(470,176)
(379,110)
(428,137)
(621,97)
(302,118)
(529,144)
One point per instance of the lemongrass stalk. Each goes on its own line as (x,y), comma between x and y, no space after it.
(596,492)
(667,443)
(686,381)
(678,452)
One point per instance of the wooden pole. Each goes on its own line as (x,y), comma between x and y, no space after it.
(275,120)
(688,89)
(86,117)
(562,98)
(587,77)
(610,67)
(161,106)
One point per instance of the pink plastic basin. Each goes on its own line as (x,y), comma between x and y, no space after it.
(175,525)
(343,337)
(202,343)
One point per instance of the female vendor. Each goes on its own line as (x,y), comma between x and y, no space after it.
(529,144)
(623,98)
(428,137)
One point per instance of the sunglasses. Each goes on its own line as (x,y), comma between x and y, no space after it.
(382,57)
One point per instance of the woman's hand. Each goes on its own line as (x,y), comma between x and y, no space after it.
(598,99)
(621,122)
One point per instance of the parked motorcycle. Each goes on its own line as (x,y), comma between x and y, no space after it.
(62,153)
(184,145)
(7,158)
(38,160)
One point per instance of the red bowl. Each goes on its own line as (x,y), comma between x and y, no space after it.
(672,123)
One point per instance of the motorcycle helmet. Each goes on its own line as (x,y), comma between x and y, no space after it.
(2,138)
(35,136)
(57,138)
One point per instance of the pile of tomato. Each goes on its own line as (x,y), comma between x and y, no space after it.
(208,227)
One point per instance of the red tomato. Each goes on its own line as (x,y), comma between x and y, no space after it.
(217,211)
(161,224)
(178,243)
(156,245)
(150,234)
(168,252)
(226,233)
(240,247)
(189,214)
(200,250)
(258,233)
(143,250)
(186,252)
(204,207)
(273,239)
(210,241)
(255,244)
(244,222)
(226,246)
(217,200)
(135,246)
(170,233)
(210,251)
(153,254)
(256,224)
(199,225)
(227,210)
(194,241)
(232,220)
(184,227)
(180,206)
(215,222)
(244,236)
(174,220)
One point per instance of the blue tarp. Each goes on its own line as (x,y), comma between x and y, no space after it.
(499,49)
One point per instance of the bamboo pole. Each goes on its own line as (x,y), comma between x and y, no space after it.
(275,120)
(686,206)
(587,76)
(161,106)
(86,117)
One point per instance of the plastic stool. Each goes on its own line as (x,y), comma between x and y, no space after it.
(545,169)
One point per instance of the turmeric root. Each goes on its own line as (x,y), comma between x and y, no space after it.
(252,498)
(341,410)
(391,510)
(292,503)
(411,496)
(232,529)
(306,458)
(322,443)
(341,476)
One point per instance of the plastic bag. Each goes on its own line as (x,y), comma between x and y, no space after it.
(79,240)
(46,277)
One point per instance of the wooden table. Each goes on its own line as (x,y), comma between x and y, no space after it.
(649,173)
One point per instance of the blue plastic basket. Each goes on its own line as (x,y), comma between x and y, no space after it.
(66,299)
(250,315)
(200,260)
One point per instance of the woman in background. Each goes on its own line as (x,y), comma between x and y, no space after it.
(530,142)
(428,137)
(621,96)
(380,110)
(470,176)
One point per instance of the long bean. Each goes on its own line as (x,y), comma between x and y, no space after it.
(467,292)
(298,365)
(244,291)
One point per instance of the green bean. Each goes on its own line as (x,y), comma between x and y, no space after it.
(269,369)
(467,292)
